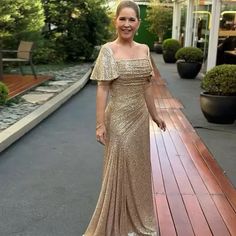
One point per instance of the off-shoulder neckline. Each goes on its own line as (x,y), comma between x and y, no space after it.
(125,59)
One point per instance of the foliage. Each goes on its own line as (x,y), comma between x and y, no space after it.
(20,20)
(160,20)
(171,45)
(220,80)
(3,93)
(46,53)
(189,54)
(76,26)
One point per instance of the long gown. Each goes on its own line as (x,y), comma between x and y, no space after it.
(125,205)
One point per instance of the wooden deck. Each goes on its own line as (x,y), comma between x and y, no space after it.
(18,84)
(191,192)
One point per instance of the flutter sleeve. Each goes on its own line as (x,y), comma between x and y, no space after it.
(105,68)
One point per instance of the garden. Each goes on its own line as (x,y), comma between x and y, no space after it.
(64,32)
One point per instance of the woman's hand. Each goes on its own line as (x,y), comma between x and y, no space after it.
(160,123)
(101,133)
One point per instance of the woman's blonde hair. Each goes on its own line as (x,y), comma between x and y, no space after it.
(128,3)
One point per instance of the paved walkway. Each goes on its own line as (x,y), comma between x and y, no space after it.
(50,178)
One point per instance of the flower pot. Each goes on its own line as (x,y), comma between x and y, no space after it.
(218,109)
(158,47)
(188,70)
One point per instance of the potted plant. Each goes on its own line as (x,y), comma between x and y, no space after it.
(170,47)
(189,62)
(218,101)
(160,23)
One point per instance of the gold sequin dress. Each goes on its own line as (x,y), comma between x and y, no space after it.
(125,205)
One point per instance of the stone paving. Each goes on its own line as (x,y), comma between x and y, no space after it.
(34,98)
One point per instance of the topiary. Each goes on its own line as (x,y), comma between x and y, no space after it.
(3,93)
(220,80)
(170,47)
(189,54)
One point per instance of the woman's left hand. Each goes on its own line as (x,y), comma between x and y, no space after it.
(160,123)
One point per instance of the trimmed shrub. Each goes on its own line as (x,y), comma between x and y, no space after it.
(189,54)
(171,45)
(220,80)
(3,93)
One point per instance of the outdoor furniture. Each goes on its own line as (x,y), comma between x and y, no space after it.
(23,55)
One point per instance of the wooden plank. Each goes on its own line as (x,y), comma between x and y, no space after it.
(166,224)
(223,181)
(191,170)
(207,176)
(197,218)
(168,176)
(214,219)
(226,211)
(158,183)
(18,84)
(205,173)
(175,104)
(176,165)
(182,223)
(167,103)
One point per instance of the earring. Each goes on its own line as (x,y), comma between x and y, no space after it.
(136,33)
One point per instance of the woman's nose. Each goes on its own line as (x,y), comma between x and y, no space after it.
(127,23)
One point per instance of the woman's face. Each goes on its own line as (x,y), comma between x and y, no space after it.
(127,23)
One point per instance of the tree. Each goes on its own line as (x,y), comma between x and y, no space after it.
(20,19)
(76,26)
(160,20)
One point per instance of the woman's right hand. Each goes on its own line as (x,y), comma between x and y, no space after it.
(101,134)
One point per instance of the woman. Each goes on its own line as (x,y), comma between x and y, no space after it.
(123,69)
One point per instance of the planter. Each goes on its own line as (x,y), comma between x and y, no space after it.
(188,70)
(158,48)
(218,109)
(169,57)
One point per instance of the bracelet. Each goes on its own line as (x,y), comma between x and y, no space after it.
(99,126)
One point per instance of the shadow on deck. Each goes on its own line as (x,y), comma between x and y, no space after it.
(18,84)
(191,192)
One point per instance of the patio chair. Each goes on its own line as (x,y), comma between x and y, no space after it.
(23,55)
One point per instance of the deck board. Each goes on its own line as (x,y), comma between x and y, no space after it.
(191,192)
(18,84)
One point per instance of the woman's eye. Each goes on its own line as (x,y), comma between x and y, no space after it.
(122,18)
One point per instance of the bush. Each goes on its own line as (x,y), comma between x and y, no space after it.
(76,26)
(169,48)
(171,45)
(160,20)
(3,93)
(220,80)
(189,54)
(46,56)
(20,20)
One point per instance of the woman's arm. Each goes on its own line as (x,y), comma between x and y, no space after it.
(101,102)
(148,94)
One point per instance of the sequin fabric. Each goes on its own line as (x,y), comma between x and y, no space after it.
(125,204)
